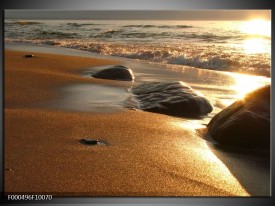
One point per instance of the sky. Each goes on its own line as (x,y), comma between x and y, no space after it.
(221,15)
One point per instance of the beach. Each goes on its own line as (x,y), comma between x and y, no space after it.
(147,154)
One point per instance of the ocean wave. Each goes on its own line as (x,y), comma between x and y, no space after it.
(57,34)
(176,26)
(130,34)
(139,34)
(106,34)
(81,24)
(159,26)
(218,62)
(209,36)
(25,23)
(111,31)
(215,62)
(126,34)
(139,26)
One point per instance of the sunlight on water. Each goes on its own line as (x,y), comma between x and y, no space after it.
(92,98)
(257,27)
(259,30)
(255,45)
(247,83)
(194,124)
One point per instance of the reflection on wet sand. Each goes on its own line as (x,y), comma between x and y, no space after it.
(243,165)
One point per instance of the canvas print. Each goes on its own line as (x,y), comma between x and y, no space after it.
(137,103)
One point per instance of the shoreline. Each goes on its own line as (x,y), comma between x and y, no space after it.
(148,154)
(75,51)
(50,49)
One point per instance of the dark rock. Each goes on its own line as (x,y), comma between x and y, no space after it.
(171,98)
(29,55)
(117,72)
(245,123)
(92,142)
(89,141)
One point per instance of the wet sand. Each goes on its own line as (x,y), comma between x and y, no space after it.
(147,154)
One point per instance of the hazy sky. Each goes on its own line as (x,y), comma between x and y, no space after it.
(141,15)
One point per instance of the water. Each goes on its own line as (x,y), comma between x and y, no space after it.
(92,98)
(162,51)
(224,46)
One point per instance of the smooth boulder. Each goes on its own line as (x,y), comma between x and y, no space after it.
(171,98)
(117,72)
(245,123)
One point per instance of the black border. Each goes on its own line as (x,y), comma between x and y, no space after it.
(135,5)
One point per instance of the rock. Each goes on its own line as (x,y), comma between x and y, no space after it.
(245,123)
(117,72)
(29,55)
(92,142)
(89,141)
(171,98)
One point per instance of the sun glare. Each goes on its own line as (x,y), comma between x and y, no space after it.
(257,27)
(258,32)
(254,45)
(246,83)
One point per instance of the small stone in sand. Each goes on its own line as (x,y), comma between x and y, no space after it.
(29,55)
(92,142)
(89,141)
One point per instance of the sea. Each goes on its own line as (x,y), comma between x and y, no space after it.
(237,46)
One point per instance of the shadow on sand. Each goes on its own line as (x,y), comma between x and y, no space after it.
(249,167)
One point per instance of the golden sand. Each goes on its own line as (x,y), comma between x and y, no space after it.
(147,154)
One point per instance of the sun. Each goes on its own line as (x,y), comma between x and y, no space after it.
(258,27)
(258,36)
